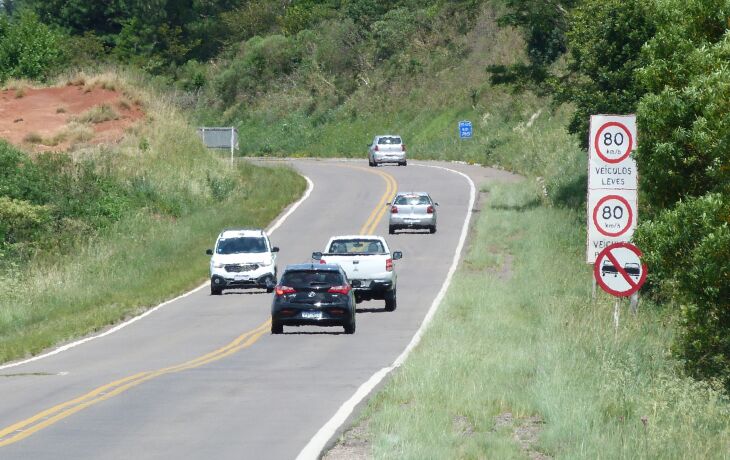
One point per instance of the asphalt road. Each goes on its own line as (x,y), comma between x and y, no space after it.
(202,377)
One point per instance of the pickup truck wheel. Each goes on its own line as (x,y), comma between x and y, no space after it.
(390,302)
(277,328)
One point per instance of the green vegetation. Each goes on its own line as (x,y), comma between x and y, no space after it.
(320,78)
(518,334)
(84,244)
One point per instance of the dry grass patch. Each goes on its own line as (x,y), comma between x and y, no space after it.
(33,138)
(98,114)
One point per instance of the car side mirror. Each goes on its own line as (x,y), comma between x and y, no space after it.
(436,203)
(317,255)
(397,255)
(275,249)
(356,283)
(388,203)
(209,252)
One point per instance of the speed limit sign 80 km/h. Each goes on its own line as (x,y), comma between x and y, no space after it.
(613,142)
(612,215)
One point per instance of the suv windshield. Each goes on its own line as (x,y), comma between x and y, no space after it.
(307,278)
(412,199)
(238,245)
(356,247)
(389,140)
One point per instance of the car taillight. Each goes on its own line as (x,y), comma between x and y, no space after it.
(389,265)
(376,149)
(282,290)
(394,209)
(429,209)
(322,261)
(403,147)
(344,289)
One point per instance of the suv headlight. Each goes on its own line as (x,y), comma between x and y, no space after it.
(217,265)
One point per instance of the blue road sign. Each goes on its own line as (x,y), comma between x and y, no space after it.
(465,129)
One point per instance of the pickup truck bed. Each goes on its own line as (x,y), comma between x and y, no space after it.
(367,259)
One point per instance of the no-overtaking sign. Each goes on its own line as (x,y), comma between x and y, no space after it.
(619,270)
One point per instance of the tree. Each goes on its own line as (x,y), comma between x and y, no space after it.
(605,40)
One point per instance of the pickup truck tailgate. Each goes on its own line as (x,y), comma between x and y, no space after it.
(360,266)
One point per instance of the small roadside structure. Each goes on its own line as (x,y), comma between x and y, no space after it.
(220,138)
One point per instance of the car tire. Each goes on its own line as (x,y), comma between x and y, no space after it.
(432,229)
(277,327)
(350,328)
(403,163)
(391,229)
(390,300)
(215,290)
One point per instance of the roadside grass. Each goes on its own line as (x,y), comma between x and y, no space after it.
(534,349)
(129,267)
(143,255)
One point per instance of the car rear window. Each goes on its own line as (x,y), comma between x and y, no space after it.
(307,278)
(412,199)
(389,140)
(356,247)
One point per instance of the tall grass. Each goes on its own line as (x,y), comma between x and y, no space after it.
(119,269)
(533,344)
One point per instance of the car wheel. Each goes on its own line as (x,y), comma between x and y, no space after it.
(403,163)
(390,302)
(350,328)
(391,229)
(216,290)
(277,327)
(432,229)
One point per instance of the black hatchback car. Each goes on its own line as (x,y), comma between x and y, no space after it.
(313,294)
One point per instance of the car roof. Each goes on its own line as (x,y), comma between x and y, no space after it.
(357,237)
(241,232)
(313,266)
(388,135)
(412,193)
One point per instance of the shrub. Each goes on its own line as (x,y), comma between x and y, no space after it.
(258,63)
(687,250)
(21,220)
(28,48)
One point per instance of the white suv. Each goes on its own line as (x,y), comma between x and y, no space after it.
(242,258)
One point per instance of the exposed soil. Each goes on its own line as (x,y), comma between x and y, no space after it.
(30,118)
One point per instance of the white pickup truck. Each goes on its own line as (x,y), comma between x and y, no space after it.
(368,260)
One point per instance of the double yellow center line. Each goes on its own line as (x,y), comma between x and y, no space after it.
(48,417)
(391,186)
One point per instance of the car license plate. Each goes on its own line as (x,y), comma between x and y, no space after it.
(411,221)
(312,314)
(241,277)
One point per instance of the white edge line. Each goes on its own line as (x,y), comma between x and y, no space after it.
(314,448)
(274,226)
